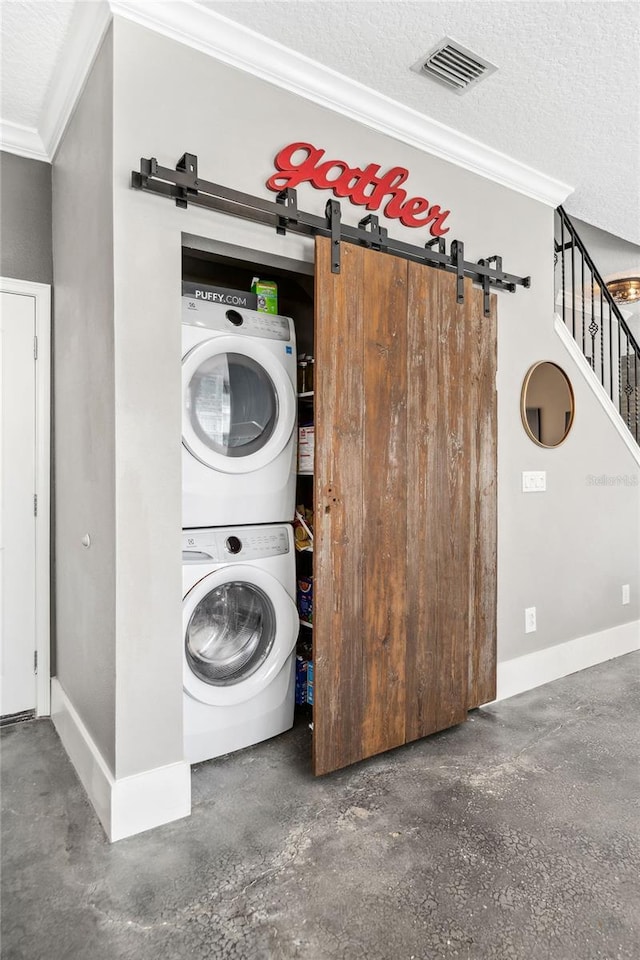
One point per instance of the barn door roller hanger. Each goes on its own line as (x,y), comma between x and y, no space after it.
(185,186)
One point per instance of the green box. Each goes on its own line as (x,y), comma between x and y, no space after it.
(267,293)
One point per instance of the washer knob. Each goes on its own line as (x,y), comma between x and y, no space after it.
(235,318)
(233,545)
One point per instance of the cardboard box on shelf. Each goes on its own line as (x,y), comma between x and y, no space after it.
(207,293)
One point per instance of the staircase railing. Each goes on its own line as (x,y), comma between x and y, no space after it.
(591,314)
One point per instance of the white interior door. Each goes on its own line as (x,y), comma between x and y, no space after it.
(17,521)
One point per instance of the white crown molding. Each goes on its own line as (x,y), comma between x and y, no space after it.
(227,41)
(88,25)
(24,141)
(231,43)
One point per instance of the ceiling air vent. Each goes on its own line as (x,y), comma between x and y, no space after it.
(454,66)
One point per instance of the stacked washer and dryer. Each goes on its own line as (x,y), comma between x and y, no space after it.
(240,621)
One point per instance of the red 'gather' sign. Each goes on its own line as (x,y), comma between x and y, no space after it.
(364,187)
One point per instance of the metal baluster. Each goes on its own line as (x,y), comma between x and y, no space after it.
(573,285)
(582,297)
(635,393)
(602,345)
(627,388)
(619,403)
(564,280)
(610,357)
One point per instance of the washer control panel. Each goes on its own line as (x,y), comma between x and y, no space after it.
(239,320)
(234,544)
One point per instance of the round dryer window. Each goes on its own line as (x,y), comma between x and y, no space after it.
(230,633)
(233,404)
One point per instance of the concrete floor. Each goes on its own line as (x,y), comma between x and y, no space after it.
(512,836)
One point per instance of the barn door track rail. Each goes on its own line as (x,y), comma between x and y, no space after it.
(185,186)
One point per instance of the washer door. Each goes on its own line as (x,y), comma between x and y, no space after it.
(239,406)
(240,625)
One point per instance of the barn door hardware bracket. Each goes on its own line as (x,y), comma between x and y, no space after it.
(376,236)
(486,287)
(289,199)
(187,164)
(334,217)
(457,257)
(185,187)
(442,248)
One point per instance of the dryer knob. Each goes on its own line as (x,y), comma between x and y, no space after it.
(233,545)
(235,318)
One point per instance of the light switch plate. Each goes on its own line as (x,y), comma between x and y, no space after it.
(534,481)
(626,594)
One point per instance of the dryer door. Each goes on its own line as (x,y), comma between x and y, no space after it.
(240,625)
(239,406)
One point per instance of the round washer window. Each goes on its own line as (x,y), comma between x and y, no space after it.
(233,404)
(230,633)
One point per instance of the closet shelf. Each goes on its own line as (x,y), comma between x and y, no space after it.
(307,395)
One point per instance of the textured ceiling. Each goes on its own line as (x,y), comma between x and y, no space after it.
(564,99)
(32,35)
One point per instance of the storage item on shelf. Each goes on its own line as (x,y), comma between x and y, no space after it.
(304,680)
(305,373)
(305,599)
(301,679)
(302,373)
(310,682)
(306,445)
(303,529)
(207,293)
(267,293)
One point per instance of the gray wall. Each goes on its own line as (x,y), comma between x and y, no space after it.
(85,407)
(567,551)
(25,219)
(118,394)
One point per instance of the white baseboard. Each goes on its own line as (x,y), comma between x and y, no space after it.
(533,669)
(127,805)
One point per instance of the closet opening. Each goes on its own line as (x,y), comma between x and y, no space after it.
(248,651)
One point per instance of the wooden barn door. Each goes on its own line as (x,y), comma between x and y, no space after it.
(405,501)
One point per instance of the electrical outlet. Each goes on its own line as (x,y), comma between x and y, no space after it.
(534,481)
(530,620)
(626,594)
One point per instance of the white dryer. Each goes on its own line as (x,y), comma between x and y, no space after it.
(238,416)
(240,626)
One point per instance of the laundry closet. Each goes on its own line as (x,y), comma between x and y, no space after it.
(394,506)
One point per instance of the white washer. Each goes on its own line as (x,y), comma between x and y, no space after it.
(238,416)
(240,626)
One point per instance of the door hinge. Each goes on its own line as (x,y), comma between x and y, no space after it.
(35,504)
(35,348)
(35,661)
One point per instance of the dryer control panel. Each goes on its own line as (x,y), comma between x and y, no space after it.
(238,320)
(235,544)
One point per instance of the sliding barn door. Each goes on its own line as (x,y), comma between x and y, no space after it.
(405,486)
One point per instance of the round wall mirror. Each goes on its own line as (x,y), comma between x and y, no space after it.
(547,404)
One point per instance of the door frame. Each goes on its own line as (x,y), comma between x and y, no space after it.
(41,293)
